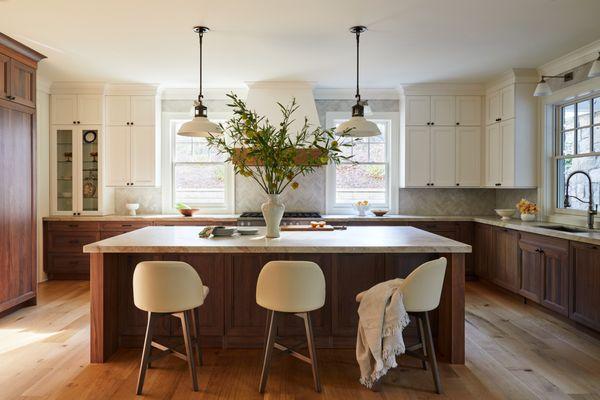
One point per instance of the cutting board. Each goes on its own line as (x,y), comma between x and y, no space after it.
(305,228)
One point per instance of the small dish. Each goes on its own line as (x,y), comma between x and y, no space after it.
(379,213)
(247,231)
(132,207)
(505,213)
(223,231)
(188,212)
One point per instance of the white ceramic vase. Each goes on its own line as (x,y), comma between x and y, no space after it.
(272,212)
(527,217)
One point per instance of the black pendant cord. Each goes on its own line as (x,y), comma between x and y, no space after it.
(200,35)
(357,96)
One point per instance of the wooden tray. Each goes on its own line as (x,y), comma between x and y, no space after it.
(305,228)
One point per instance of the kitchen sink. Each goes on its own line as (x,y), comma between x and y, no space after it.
(563,228)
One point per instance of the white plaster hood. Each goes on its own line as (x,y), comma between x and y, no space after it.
(263,98)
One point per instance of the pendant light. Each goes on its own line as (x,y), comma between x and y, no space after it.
(595,69)
(200,126)
(358,125)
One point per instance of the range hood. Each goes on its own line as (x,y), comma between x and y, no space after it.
(263,97)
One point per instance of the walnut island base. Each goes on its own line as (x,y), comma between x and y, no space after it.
(352,261)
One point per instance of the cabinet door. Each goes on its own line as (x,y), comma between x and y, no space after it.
(555,285)
(468,156)
(64,109)
(143,110)
(482,249)
(507,102)
(89,109)
(531,271)
(22,83)
(493,107)
(468,110)
(117,155)
(443,110)
(505,271)
(118,110)
(89,189)
(63,169)
(418,110)
(4,76)
(418,160)
(493,150)
(143,155)
(443,153)
(507,134)
(585,284)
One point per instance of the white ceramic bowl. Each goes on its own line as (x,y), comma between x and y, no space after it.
(361,209)
(132,207)
(505,213)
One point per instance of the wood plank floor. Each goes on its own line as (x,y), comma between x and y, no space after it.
(514,351)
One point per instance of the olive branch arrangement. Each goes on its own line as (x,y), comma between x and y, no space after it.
(272,155)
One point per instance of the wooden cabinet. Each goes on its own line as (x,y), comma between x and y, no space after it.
(531,270)
(505,264)
(483,251)
(555,278)
(18,231)
(77,109)
(132,142)
(63,246)
(585,284)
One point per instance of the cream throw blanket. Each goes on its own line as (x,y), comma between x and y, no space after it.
(379,339)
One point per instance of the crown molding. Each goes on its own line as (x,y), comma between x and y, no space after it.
(77,88)
(571,60)
(132,89)
(349,93)
(209,94)
(442,88)
(512,76)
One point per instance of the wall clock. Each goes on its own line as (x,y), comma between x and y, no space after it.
(89,136)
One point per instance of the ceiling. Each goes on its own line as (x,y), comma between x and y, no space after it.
(409,41)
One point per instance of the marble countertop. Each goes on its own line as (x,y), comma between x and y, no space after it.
(364,239)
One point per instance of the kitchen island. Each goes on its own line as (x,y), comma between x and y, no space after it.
(352,260)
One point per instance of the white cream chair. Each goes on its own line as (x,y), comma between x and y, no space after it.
(294,287)
(421,292)
(169,287)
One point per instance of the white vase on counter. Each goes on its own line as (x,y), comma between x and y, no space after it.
(272,211)
(527,217)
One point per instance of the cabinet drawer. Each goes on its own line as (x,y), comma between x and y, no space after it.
(73,226)
(122,226)
(68,264)
(70,241)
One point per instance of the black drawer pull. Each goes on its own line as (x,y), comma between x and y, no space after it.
(73,226)
(74,241)
(126,225)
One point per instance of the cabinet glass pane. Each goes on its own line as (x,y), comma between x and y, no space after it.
(89,166)
(64,170)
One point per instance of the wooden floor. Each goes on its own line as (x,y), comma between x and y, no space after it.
(514,351)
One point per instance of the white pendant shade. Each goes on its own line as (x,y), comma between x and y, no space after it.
(595,70)
(360,128)
(199,127)
(542,89)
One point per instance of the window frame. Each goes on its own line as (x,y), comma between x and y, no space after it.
(558,146)
(170,120)
(392,171)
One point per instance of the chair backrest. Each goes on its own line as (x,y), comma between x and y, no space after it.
(291,286)
(166,287)
(422,288)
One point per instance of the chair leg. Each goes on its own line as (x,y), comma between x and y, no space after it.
(312,352)
(147,351)
(431,355)
(196,332)
(271,330)
(422,340)
(189,348)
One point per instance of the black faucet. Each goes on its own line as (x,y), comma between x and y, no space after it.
(591,209)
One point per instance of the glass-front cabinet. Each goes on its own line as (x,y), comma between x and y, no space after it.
(76,170)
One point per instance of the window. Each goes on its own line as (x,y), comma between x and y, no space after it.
(578,148)
(199,175)
(367,176)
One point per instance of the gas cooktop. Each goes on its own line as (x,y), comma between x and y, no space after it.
(286,215)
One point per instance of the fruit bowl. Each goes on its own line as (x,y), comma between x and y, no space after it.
(188,212)
(505,213)
(379,213)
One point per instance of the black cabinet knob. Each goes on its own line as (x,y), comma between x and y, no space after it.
(131,123)
(457,184)
(458,123)
(128,123)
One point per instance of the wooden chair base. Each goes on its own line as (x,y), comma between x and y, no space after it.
(190,326)
(270,344)
(427,353)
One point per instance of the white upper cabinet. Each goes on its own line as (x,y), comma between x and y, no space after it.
(507,102)
(468,110)
(143,110)
(418,160)
(442,110)
(493,155)
(507,135)
(76,109)
(143,163)
(418,110)
(468,156)
(117,148)
(493,107)
(118,110)
(443,156)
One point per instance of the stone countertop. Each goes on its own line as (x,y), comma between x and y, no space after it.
(364,239)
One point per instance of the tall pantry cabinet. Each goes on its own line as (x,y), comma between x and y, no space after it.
(18,245)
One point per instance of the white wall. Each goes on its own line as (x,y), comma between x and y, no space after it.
(43,170)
